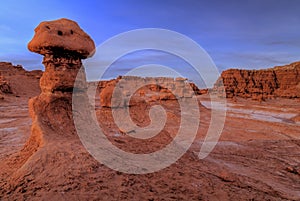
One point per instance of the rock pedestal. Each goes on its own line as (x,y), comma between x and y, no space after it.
(63,44)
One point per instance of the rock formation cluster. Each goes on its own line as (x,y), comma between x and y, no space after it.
(150,89)
(248,163)
(281,81)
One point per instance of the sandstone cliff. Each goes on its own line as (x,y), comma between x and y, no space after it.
(281,81)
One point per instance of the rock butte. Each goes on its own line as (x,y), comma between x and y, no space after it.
(151,89)
(281,81)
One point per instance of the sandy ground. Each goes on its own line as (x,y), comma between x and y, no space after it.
(14,125)
(257,158)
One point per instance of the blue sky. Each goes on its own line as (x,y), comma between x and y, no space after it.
(245,34)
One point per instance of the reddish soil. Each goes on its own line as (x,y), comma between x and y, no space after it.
(257,157)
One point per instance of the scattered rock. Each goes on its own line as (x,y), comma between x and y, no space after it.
(4,86)
(293,170)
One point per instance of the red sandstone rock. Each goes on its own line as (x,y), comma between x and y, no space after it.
(283,81)
(296,118)
(51,111)
(15,80)
(62,60)
(62,37)
(159,89)
(4,86)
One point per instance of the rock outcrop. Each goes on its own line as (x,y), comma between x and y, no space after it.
(15,80)
(61,38)
(51,111)
(4,86)
(137,89)
(63,45)
(281,81)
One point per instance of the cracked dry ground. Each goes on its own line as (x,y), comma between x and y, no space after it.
(257,158)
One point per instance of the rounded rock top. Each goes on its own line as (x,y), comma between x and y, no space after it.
(62,37)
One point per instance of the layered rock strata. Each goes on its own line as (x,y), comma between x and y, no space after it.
(63,44)
(15,80)
(137,89)
(281,81)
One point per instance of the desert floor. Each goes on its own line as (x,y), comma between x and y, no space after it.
(257,157)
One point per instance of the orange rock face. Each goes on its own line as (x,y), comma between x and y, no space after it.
(63,45)
(15,80)
(283,81)
(51,111)
(61,37)
(157,89)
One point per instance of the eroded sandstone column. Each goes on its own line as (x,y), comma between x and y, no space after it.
(63,44)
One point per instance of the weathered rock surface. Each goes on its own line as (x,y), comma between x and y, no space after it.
(281,81)
(61,37)
(51,111)
(4,86)
(15,80)
(137,89)
(296,118)
(62,60)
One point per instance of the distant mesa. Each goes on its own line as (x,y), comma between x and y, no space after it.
(277,82)
(135,89)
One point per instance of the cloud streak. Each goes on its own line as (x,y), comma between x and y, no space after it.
(245,34)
